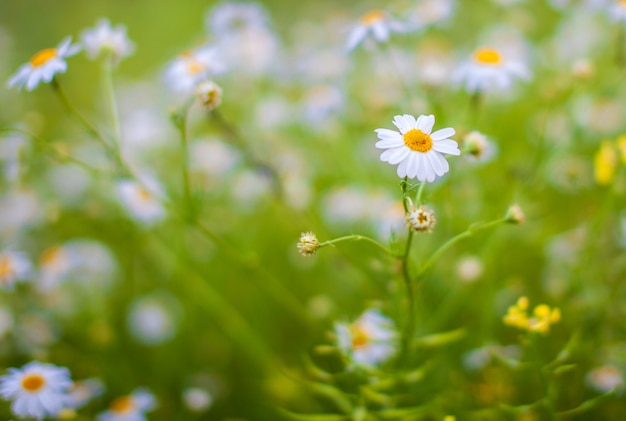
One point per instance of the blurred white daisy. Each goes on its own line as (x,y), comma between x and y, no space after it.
(55,263)
(376,25)
(605,379)
(14,266)
(417,152)
(105,39)
(489,69)
(141,200)
(197,399)
(368,341)
(478,148)
(37,390)
(228,18)
(130,408)
(84,391)
(617,11)
(192,67)
(44,65)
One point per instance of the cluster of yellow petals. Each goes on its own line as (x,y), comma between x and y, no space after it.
(539,321)
(607,158)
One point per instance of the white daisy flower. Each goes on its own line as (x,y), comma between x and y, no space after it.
(417,151)
(617,11)
(14,266)
(130,408)
(44,65)
(141,200)
(192,67)
(37,390)
(489,69)
(55,263)
(368,341)
(104,39)
(377,25)
(229,18)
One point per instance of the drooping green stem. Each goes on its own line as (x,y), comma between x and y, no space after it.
(234,137)
(445,246)
(69,107)
(359,238)
(180,121)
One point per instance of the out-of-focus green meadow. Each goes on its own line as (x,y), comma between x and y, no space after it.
(214,297)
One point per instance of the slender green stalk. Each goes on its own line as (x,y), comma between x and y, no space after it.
(359,238)
(180,121)
(56,86)
(235,138)
(410,326)
(465,234)
(107,71)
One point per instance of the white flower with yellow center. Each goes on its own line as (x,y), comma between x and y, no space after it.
(130,408)
(14,266)
(489,69)
(105,39)
(417,152)
(420,218)
(192,67)
(377,25)
(44,65)
(55,263)
(141,200)
(370,340)
(37,390)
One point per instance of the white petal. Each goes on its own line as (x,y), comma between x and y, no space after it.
(386,133)
(410,121)
(355,37)
(398,155)
(434,163)
(390,143)
(448,146)
(381,32)
(412,165)
(402,168)
(401,124)
(422,169)
(443,134)
(426,123)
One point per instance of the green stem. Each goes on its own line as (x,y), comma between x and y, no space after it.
(109,89)
(56,86)
(235,138)
(410,326)
(467,233)
(180,121)
(359,238)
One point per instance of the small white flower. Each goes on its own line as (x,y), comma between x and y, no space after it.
(141,200)
(617,11)
(417,152)
(151,321)
(605,378)
(197,399)
(37,390)
(368,341)
(84,391)
(478,148)
(209,94)
(44,65)
(130,408)
(108,40)
(14,266)
(489,69)
(192,67)
(55,263)
(420,218)
(229,18)
(377,25)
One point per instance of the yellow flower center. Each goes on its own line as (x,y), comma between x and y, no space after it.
(418,141)
(359,337)
(372,17)
(193,67)
(123,405)
(144,196)
(43,57)
(487,56)
(49,256)
(33,382)
(6,268)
